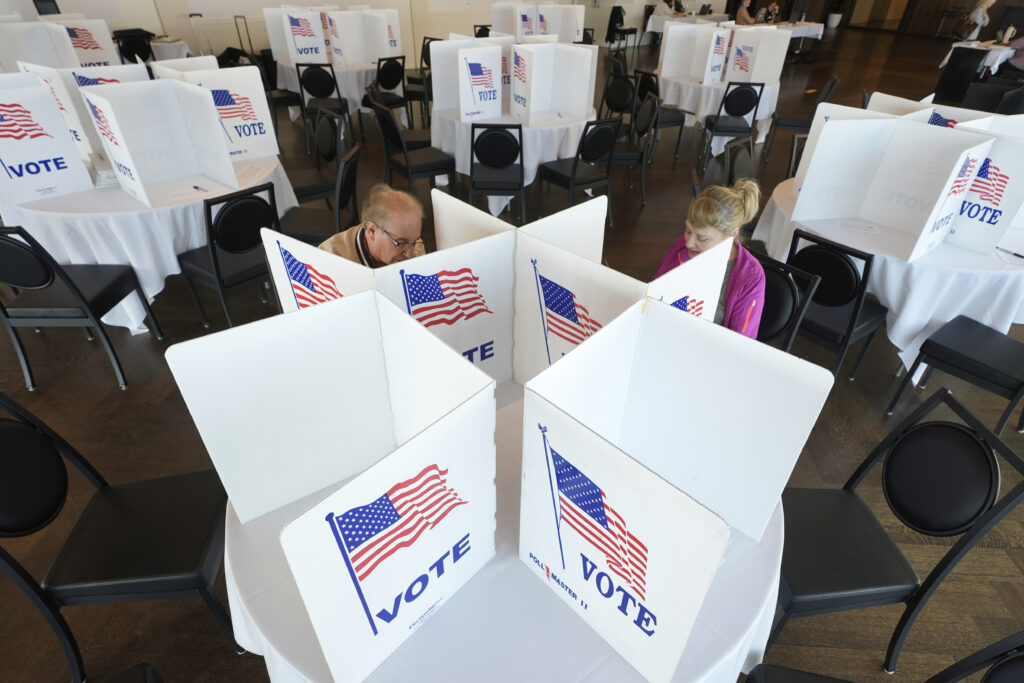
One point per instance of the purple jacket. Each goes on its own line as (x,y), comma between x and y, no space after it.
(744,295)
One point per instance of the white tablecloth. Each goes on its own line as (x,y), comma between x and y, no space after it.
(997,54)
(543,140)
(656,23)
(175,50)
(704,100)
(804,29)
(352,80)
(504,625)
(921,295)
(108,225)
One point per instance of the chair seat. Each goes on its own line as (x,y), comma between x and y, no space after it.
(329,103)
(426,160)
(284,98)
(416,138)
(626,154)
(415,92)
(626,31)
(486,178)
(415,76)
(830,322)
(838,555)
(144,538)
(235,268)
(727,125)
(103,286)
(311,184)
(795,125)
(391,100)
(670,117)
(560,172)
(312,226)
(979,350)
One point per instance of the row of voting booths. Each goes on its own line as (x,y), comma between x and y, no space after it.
(418,350)
(58,43)
(565,22)
(65,130)
(321,35)
(707,53)
(905,176)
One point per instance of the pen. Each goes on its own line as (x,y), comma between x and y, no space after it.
(1010,252)
(749,312)
(201,189)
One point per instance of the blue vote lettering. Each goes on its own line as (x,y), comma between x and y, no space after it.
(984,214)
(249,129)
(124,170)
(519,99)
(485,95)
(419,584)
(308,50)
(486,351)
(35,167)
(942,222)
(506,79)
(645,619)
(95,64)
(74,134)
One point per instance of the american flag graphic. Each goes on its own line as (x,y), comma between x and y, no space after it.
(102,124)
(542,22)
(85,80)
(963,177)
(504,66)
(334,29)
(691,305)
(564,316)
(60,103)
(374,532)
(82,39)
(16,122)
(524,19)
(444,298)
(300,27)
(391,34)
(742,61)
(937,119)
(309,285)
(719,45)
(520,68)
(233,106)
(990,183)
(585,508)
(480,75)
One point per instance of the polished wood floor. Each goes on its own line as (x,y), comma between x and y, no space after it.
(146,431)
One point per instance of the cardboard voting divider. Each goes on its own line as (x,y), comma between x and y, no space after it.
(176,68)
(277,34)
(38,157)
(480,83)
(550,81)
(456,222)
(604,467)
(303,36)
(757,56)
(693,53)
(36,43)
(364,36)
(578,229)
(894,176)
(696,285)
(241,105)
(823,114)
(24,10)
(382,28)
(564,21)
(91,41)
(345,33)
(444,71)
(20,80)
(164,140)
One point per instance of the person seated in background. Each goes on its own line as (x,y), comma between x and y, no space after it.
(1014,66)
(980,17)
(743,17)
(389,233)
(666,8)
(717,214)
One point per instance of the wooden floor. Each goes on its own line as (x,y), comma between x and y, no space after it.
(146,431)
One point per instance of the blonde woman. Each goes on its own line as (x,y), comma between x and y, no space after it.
(718,214)
(980,17)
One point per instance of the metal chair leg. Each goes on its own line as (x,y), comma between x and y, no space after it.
(224,303)
(149,312)
(198,303)
(221,615)
(105,340)
(19,351)
(903,385)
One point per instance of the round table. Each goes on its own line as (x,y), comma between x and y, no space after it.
(544,140)
(173,49)
(704,100)
(352,80)
(107,225)
(995,54)
(921,295)
(504,624)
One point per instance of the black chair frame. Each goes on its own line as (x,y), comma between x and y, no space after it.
(506,153)
(734,108)
(800,285)
(587,156)
(317,92)
(395,145)
(970,534)
(642,129)
(38,270)
(798,125)
(1007,652)
(668,117)
(344,198)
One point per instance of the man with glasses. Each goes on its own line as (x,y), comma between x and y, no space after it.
(389,233)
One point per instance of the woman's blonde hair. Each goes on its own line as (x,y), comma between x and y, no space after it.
(985,4)
(726,208)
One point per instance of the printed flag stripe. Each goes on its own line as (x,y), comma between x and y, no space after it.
(599,538)
(309,285)
(16,122)
(963,177)
(300,27)
(233,106)
(82,39)
(990,183)
(445,297)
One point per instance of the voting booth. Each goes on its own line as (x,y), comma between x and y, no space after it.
(175,68)
(897,177)
(480,83)
(38,156)
(564,21)
(693,53)
(37,43)
(241,105)
(514,19)
(604,466)
(91,41)
(361,36)
(550,81)
(302,37)
(757,56)
(164,140)
(414,517)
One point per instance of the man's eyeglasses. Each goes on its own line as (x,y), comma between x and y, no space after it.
(399,243)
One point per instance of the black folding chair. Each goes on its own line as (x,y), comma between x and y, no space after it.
(1012,103)
(619,99)
(51,295)
(390,82)
(668,117)
(481,30)
(426,162)
(156,538)
(298,221)
(739,101)
(799,125)
(276,98)
(1004,660)
(940,478)
(134,44)
(620,66)
(961,69)
(233,256)
(588,37)
(589,168)
(415,76)
(617,30)
(787,294)
(329,138)
(319,90)
(637,150)
(985,96)
(496,162)
(841,312)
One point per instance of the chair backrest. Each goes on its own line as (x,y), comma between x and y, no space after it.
(648,12)
(345,185)
(316,80)
(619,95)
(618,15)
(962,68)
(425,52)
(25,264)
(984,97)
(619,65)
(741,99)
(615,19)
(327,135)
(481,30)
(864,99)
(597,143)
(646,117)
(825,94)
(135,46)
(497,145)
(738,162)
(705,9)
(391,72)
(392,136)
(787,293)
(1004,661)
(646,84)
(588,36)
(1012,103)
(235,228)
